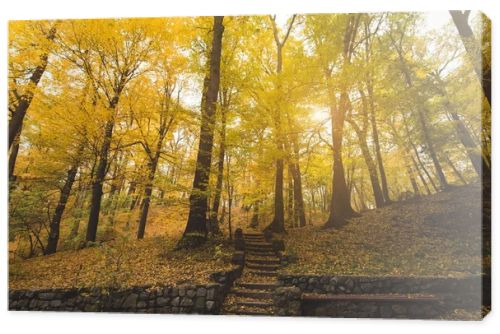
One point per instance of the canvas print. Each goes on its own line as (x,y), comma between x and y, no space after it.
(327,165)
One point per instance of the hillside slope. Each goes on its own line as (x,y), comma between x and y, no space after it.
(436,235)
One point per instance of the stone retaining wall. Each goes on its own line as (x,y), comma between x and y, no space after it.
(454,293)
(184,298)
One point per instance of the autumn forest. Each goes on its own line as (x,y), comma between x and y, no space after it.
(164,138)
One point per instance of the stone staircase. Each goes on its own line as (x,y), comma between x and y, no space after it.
(252,293)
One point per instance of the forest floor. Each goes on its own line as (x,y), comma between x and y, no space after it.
(437,235)
(121,263)
(119,260)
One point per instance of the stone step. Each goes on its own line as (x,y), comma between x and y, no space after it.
(258,243)
(265,267)
(255,303)
(258,248)
(263,273)
(261,253)
(255,241)
(258,285)
(259,311)
(251,234)
(269,260)
(255,294)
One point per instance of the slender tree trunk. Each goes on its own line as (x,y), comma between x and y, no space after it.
(229,190)
(131,193)
(432,153)
(370,163)
(254,222)
(372,171)
(98,182)
(420,163)
(196,228)
(473,152)
(413,182)
(361,197)
(214,223)
(148,189)
(299,210)
(421,112)
(53,237)
(376,142)
(153,165)
(278,223)
(421,177)
(313,202)
(479,60)
(340,207)
(429,176)
(292,219)
(13,157)
(455,170)
(24,101)
(54,228)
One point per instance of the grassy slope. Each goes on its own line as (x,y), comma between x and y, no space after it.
(437,235)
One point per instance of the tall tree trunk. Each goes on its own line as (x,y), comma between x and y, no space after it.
(196,228)
(80,205)
(153,165)
(455,170)
(254,222)
(13,157)
(420,164)
(361,197)
(148,189)
(54,228)
(361,133)
(100,174)
(24,100)
(292,219)
(278,223)
(131,193)
(372,171)
(421,177)
(299,211)
(426,172)
(430,147)
(469,144)
(376,142)
(473,152)
(313,204)
(414,185)
(230,191)
(299,216)
(214,223)
(340,207)
(421,112)
(479,60)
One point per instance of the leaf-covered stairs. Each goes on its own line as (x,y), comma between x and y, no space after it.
(252,293)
